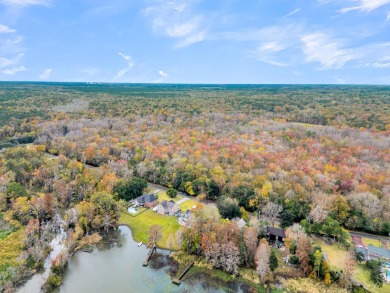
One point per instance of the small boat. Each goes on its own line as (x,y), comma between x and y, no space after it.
(139,244)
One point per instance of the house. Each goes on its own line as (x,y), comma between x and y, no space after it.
(240,222)
(147,200)
(167,208)
(276,234)
(373,252)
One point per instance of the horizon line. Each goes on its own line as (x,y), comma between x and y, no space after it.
(181,83)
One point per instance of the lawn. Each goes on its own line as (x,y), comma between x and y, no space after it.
(373,242)
(188,205)
(140,226)
(140,210)
(362,275)
(335,253)
(162,195)
(337,256)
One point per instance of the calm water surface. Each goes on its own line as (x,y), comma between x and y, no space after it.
(117,267)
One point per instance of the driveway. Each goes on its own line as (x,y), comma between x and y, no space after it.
(358,241)
(182,200)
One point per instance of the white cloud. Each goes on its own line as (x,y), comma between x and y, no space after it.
(163,74)
(25,3)
(130,63)
(365,5)
(272,47)
(46,74)
(388,16)
(6,30)
(127,58)
(179,30)
(14,70)
(11,52)
(379,65)
(175,19)
(293,12)
(318,47)
(6,62)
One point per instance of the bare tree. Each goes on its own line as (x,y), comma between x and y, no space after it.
(230,257)
(303,250)
(250,239)
(263,254)
(272,211)
(349,269)
(155,233)
(170,241)
(318,214)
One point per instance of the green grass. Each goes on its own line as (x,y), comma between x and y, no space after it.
(140,225)
(10,248)
(362,275)
(140,211)
(188,204)
(373,242)
(162,195)
(337,256)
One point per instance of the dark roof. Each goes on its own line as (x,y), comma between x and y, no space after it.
(146,198)
(276,232)
(381,252)
(168,204)
(362,250)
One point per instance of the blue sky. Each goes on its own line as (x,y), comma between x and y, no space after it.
(195,41)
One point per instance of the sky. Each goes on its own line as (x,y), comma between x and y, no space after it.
(195,41)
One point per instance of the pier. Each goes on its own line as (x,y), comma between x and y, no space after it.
(177,281)
(146,262)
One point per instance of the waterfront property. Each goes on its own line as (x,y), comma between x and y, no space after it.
(167,208)
(275,234)
(373,252)
(147,200)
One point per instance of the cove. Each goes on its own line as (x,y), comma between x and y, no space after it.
(116,266)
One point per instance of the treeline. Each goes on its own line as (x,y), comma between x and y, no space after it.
(354,106)
(344,172)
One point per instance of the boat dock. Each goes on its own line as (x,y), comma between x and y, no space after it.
(146,262)
(177,281)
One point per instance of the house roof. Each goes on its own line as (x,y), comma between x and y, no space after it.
(240,222)
(362,250)
(147,198)
(168,204)
(382,252)
(276,232)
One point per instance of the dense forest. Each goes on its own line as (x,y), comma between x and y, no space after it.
(315,155)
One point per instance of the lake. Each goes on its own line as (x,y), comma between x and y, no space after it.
(116,266)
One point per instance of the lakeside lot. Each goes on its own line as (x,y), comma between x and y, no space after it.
(337,255)
(141,222)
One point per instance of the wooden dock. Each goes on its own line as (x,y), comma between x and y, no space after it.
(146,262)
(177,281)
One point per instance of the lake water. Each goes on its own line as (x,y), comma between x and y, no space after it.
(117,267)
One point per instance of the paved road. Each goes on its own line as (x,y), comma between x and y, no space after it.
(366,235)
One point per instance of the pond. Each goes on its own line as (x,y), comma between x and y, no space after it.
(116,266)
